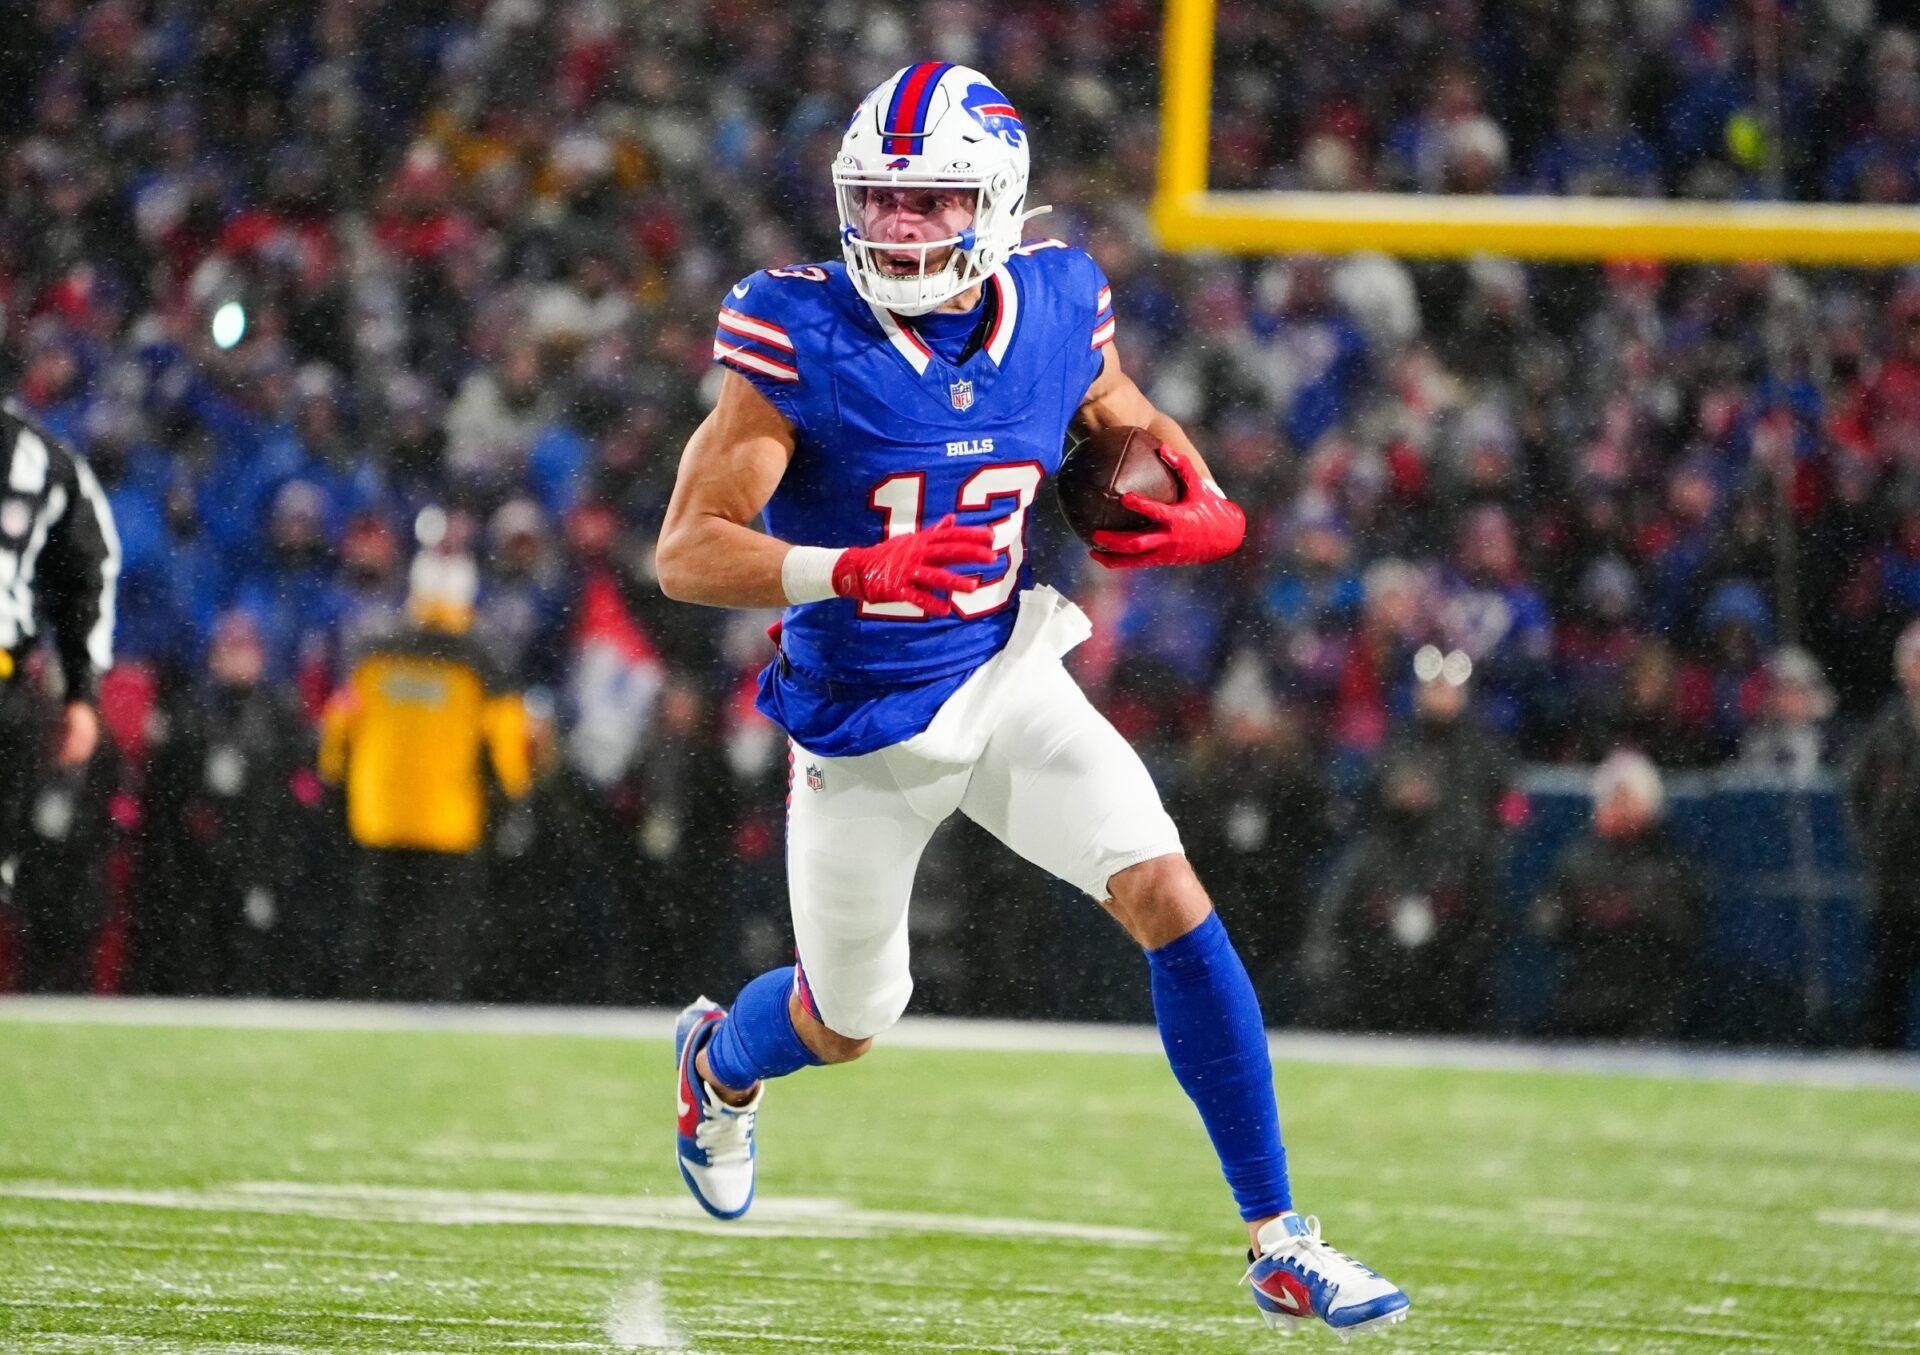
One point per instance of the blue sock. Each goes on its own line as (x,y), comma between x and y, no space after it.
(1210,1024)
(756,1038)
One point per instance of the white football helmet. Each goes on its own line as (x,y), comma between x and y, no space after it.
(933,125)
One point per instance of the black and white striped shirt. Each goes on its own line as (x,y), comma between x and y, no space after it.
(59,556)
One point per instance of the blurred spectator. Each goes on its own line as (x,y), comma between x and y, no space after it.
(1378,655)
(1254,811)
(1720,689)
(225,909)
(295,596)
(1593,151)
(1623,913)
(1313,355)
(1420,151)
(1883,786)
(1881,164)
(372,593)
(1790,734)
(1641,711)
(1892,405)
(1313,598)
(405,734)
(1404,923)
(1475,765)
(520,602)
(1489,611)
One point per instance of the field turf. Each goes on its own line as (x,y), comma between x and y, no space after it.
(171,1189)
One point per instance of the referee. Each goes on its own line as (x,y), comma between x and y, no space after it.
(59,565)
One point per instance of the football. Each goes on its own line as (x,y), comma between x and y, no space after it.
(1097,470)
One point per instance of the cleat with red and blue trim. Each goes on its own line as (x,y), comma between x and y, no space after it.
(1297,1279)
(715,1141)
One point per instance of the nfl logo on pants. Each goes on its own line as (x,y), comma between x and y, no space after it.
(961,393)
(815,780)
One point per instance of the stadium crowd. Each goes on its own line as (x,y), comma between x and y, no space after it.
(316,286)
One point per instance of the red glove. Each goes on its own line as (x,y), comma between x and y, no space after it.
(913,568)
(1204,525)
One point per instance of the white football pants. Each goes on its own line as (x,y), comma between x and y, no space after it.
(1047,775)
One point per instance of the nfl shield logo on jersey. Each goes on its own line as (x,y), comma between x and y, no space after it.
(961,392)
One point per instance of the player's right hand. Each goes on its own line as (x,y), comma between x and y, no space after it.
(915,567)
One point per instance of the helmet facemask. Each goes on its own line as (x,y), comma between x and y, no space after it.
(976,251)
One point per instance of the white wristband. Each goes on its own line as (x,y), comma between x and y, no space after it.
(806,575)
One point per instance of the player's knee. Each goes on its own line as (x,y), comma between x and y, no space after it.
(1158,901)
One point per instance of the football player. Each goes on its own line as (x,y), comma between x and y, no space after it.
(890,418)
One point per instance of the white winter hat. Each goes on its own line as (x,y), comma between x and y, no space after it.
(1626,770)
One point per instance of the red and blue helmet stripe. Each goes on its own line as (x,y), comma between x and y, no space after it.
(906,120)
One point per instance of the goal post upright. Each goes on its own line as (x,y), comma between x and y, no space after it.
(1186,101)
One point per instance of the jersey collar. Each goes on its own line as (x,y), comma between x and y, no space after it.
(913,348)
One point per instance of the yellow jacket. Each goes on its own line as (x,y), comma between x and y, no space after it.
(405,732)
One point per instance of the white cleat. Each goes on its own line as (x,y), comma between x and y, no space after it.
(715,1140)
(1297,1279)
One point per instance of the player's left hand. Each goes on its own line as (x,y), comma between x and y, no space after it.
(1204,525)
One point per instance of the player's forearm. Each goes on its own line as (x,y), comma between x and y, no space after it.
(718,563)
(1115,400)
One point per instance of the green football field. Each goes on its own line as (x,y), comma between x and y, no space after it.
(168,1188)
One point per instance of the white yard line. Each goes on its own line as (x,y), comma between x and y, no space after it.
(1839,1069)
(778,1218)
(251,1250)
(200,1307)
(1882,1220)
(878,1342)
(658,1333)
(80,1341)
(1590,1325)
(157,1345)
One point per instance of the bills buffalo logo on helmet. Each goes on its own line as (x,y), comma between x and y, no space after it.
(991,110)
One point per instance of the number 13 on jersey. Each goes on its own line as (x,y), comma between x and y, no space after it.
(902,499)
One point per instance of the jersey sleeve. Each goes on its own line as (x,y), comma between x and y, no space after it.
(1102,334)
(1089,313)
(752,339)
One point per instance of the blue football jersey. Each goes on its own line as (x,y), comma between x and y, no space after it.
(891,436)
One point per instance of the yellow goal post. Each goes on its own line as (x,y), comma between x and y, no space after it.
(1187,216)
